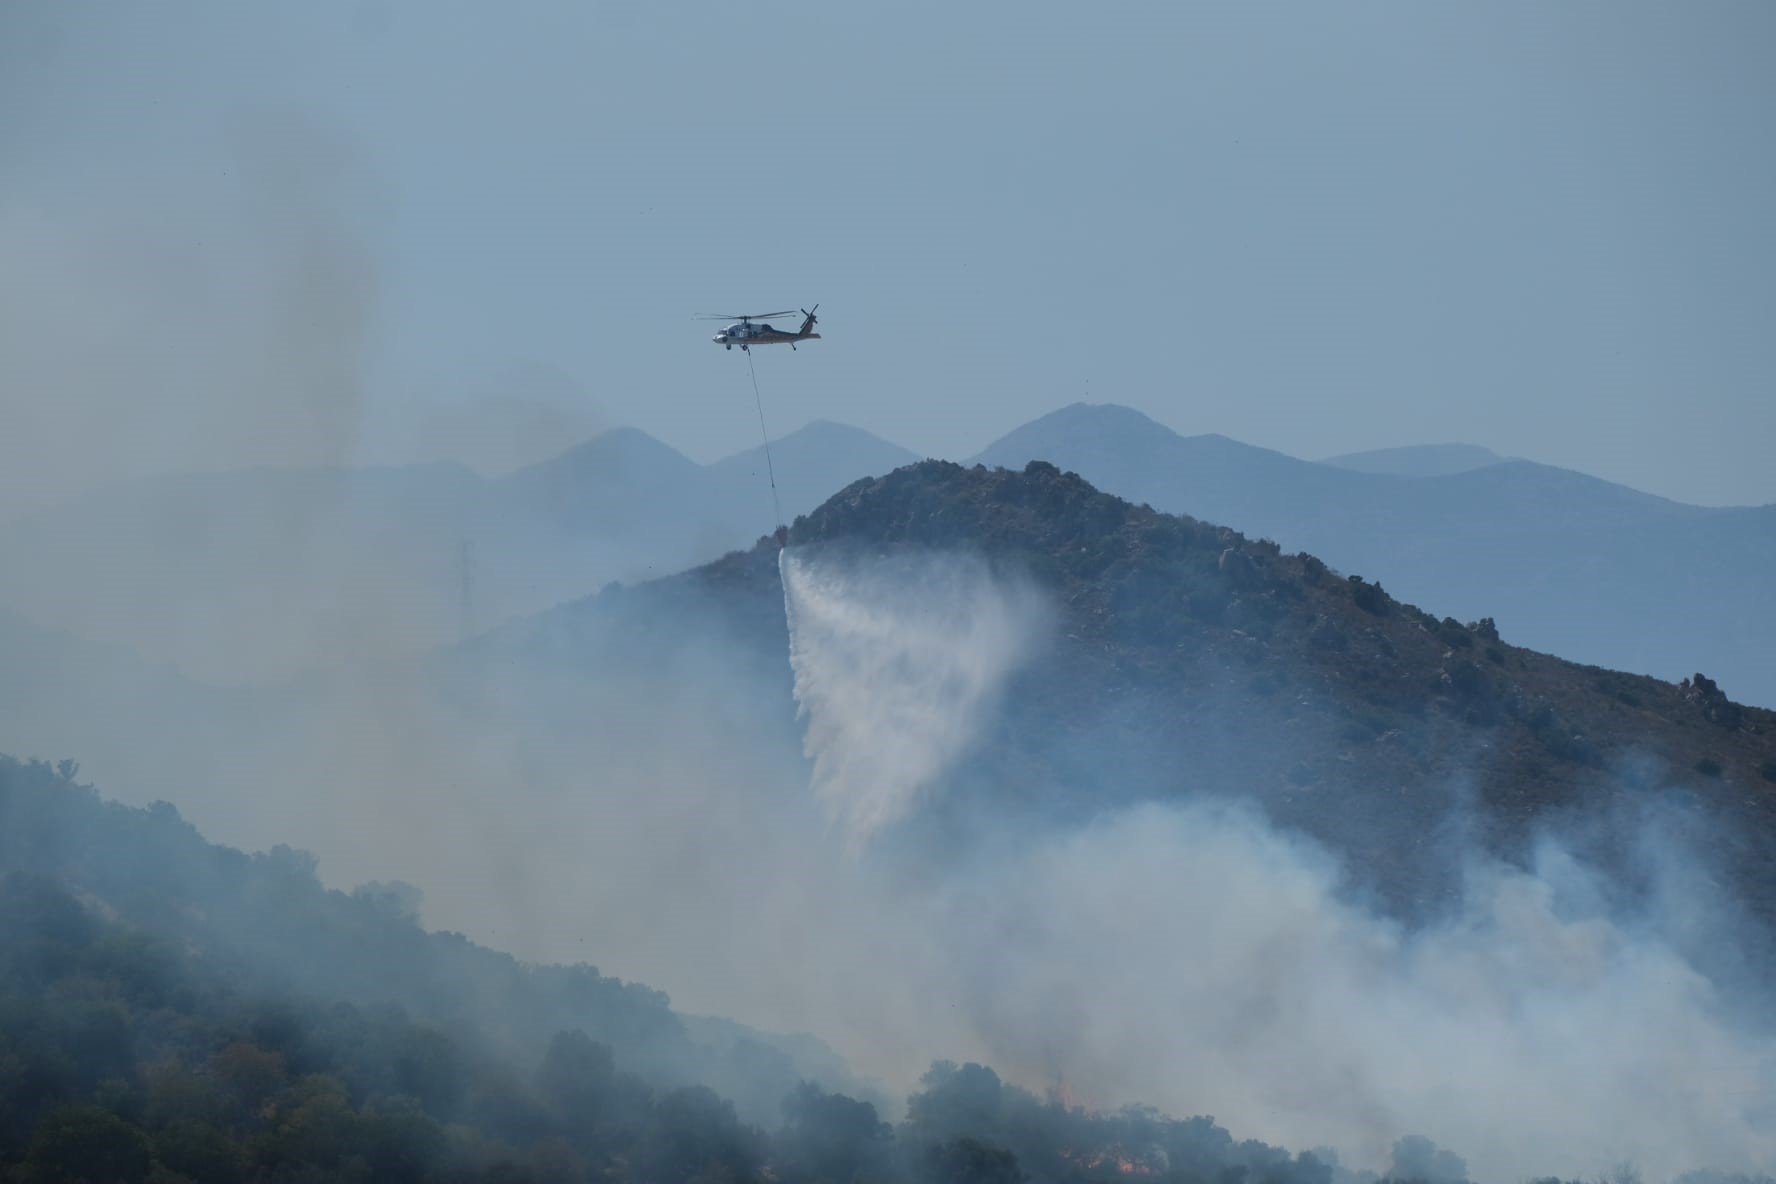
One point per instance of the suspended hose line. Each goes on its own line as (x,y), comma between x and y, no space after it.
(776,505)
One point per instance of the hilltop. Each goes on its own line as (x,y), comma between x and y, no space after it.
(1391,723)
(1203,660)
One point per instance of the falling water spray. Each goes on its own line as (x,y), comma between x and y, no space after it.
(898,662)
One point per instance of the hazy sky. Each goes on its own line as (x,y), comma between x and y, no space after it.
(240,233)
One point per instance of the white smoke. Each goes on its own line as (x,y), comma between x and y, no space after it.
(897,664)
(1190,956)
(1185,955)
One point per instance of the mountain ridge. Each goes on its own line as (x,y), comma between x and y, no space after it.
(1559,557)
(1417,460)
(299,570)
(1296,686)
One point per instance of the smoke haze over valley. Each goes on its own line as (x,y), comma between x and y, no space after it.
(1242,655)
(842,788)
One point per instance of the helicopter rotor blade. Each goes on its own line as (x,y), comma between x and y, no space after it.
(743,316)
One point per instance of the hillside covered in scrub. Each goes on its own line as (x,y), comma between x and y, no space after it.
(174,1011)
(1209,662)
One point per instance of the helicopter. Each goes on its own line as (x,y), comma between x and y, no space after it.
(746,330)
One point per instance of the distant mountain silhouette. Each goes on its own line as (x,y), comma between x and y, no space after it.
(260,574)
(587,487)
(263,573)
(1567,563)
(810,464)
(1417,460)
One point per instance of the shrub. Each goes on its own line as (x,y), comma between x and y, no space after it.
(1369,597)
(86,1143)
(1465,680)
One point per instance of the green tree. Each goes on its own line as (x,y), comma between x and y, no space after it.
(575,1076)
(969,1161)
(400,1142)
(250,1074)
(86,1145)
(833,1139)
(200,1152)
(315,1125)
(696,1137)
(956,1101)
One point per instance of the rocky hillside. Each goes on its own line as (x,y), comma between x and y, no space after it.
(1190,658)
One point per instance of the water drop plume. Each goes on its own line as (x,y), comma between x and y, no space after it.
(899,662)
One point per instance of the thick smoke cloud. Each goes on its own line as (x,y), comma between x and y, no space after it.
(225,321)
(494,423)
(1193,957)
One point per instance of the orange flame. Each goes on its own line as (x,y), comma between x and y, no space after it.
(1114,1157)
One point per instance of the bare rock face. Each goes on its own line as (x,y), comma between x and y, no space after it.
(1707,696)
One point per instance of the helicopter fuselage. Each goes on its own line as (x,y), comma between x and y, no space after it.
(746,334)
(769,337)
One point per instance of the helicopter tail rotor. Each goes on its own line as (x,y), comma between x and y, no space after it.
(812,320)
